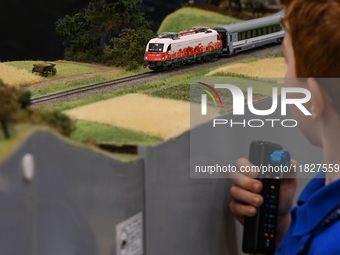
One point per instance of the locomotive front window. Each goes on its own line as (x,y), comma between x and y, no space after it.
(156,47)
(169,48)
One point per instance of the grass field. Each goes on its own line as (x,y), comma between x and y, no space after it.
(185,18)
(17,77)
(76,84)
(64,68)
(153,88)
(111,135)
(263,68)
(176,87)
(155,117)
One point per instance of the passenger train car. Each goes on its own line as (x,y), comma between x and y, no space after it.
(201,43)
(175,49)
(249,34)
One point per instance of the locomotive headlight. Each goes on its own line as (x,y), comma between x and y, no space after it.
(163,57)
(146,56)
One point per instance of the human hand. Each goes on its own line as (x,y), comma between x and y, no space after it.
(245,197)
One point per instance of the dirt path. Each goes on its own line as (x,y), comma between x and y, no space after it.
(102,70)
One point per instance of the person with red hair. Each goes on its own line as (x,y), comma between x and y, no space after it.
(312,50)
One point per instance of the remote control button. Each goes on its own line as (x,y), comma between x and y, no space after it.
(265,234)
(272,236)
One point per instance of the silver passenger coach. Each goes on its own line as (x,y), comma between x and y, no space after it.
(251,33)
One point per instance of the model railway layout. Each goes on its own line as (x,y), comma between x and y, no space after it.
(171,49)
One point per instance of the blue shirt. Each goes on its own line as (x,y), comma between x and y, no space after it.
(314,204)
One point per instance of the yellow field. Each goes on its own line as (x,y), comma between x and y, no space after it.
(164,118)
(17,77)
(264,68)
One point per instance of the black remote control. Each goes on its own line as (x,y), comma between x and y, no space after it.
(259,233)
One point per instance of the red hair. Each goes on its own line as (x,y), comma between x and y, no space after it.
(314,26)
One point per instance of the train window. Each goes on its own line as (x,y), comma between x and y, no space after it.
(249,34)
(231,38)
(169,48)
(274,28)
(254,33)
(270,29)
(156,47)
(218,37)
(244,36)
(278,27)
(265,30)
(259,31)
(239,36)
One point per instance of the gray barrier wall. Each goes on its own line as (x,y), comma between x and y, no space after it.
(186,215)
(72,204)
(77,199)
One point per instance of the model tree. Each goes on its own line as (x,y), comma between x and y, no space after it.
(9,106)
(108,15)
(14,108)
(81,41)
(84,30)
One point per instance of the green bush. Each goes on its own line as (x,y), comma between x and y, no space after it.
(14,109)
(59,121)
(133,65)
(52,118)
(129,47)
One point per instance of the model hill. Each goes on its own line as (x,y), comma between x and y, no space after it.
(187,17)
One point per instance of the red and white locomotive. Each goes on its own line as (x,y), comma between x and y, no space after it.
(171,50)
(201,43)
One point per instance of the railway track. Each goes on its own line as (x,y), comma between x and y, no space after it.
(104,87)
(61,94)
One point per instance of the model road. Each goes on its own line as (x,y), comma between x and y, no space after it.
(139,79)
